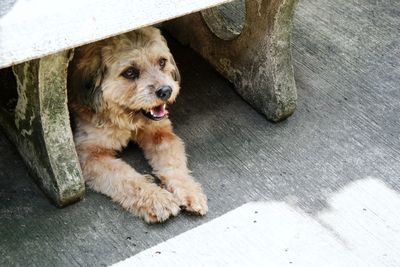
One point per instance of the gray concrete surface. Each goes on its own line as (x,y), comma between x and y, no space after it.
(346,128)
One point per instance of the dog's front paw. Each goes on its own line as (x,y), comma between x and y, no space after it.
(189,195)
(154,204)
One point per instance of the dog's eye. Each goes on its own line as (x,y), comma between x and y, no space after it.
(131,73)
(162,62)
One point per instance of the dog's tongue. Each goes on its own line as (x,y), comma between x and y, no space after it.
(158,111)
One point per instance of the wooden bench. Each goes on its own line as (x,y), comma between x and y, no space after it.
(37,38)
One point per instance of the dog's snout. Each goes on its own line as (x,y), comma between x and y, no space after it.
(164,92)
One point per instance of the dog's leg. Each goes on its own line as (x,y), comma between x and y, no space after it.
(113,177)
(166,154)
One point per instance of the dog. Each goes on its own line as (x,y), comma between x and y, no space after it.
(118,91)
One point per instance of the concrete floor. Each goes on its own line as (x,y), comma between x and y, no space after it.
(344,133)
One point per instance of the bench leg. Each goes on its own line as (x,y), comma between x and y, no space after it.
(258,61)
(40,127)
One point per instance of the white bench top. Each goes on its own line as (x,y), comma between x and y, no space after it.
(31,29)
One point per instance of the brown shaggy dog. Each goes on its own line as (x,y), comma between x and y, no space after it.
(118,90)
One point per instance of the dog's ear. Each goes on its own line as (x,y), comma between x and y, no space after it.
(175,72)
(88,77)
(92,96)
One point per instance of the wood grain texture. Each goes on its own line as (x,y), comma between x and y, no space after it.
(346,130)
(33,29)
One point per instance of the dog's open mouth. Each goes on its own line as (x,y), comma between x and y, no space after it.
(157,113)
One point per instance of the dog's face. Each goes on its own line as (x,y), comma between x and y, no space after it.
(134,73)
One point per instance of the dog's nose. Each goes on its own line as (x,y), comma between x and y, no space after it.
(164,92)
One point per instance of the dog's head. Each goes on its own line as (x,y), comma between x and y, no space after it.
(134,72)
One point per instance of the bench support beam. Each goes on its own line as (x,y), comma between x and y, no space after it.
(40,127)
(258,62)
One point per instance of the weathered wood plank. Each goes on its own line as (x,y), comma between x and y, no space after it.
(33,29)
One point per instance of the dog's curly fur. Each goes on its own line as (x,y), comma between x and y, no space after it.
(114,96)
